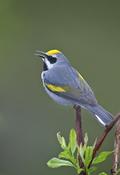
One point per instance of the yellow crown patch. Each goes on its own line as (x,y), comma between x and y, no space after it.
(52,52)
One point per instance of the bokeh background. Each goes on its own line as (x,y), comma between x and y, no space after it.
(88,32)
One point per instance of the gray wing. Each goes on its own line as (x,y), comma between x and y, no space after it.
(77,87)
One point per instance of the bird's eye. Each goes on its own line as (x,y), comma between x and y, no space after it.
(52,59)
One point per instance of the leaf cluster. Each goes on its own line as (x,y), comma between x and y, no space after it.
(72,154)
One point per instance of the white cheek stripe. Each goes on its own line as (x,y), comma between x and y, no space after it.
(49,65)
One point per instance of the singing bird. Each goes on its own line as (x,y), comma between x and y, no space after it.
(65,85)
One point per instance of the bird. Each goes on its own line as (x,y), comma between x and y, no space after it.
(65,85)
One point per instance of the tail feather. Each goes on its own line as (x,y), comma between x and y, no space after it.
(103,116)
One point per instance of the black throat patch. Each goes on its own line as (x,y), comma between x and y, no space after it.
(45,67)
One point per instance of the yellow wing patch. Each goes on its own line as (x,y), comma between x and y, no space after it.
(52,52)
(56,88)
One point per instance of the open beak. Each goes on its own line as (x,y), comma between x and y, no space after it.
(41,54)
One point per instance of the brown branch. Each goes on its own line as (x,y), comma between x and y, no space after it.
(79,132)
(116,155)
(103,136)
(100,141)
(78,124)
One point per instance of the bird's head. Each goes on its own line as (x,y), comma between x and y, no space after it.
(51,58)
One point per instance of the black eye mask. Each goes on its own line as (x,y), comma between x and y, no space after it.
(51,59)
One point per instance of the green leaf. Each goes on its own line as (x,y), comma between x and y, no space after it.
(67,155)
(103,173)
(92,169)
(61,140)
(79,170)
(72,141)
(82,151)
(55,163)
(118,171)
(86,139)
(101,157)
(88,155)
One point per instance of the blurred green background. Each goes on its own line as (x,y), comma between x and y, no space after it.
(88,32)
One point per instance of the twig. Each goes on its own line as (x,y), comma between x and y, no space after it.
(116,155)
(78,123)
(103,136)
(99,142)
(79,132)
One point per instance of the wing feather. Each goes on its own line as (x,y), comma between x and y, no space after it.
(71,84)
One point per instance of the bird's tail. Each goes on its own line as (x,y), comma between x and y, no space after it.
(103,116)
